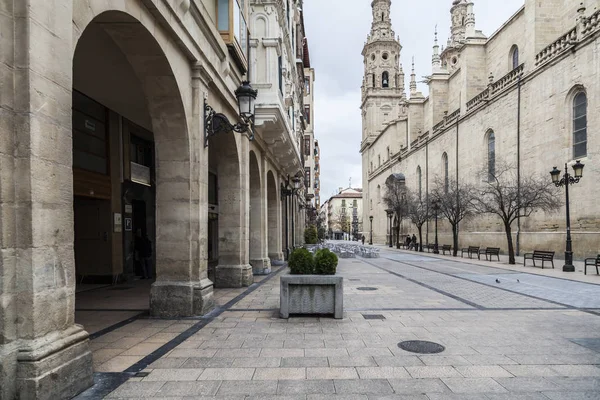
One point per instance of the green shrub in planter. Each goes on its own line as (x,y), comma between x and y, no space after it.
(301,262)
(325,262)
(310,235)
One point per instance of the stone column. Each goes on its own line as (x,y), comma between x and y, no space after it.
(274,221)
(44,355)
(261,264)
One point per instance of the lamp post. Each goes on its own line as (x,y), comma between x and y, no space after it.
(436,209)
(389,213)
(215,123)
(371,233)
(567,180)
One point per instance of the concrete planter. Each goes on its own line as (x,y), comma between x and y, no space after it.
(311,294)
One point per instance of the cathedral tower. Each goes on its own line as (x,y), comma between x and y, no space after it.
(383,82)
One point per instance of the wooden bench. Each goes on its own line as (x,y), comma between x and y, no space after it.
(446,248)
(489,252)
(470,251)
(429,247)
(539,255)
(595,262)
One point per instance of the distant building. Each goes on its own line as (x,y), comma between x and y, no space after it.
(344,214)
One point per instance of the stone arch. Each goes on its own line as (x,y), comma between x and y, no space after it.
(273,219)
(153,59)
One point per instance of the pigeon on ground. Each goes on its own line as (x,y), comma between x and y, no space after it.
(518,281)
(497,280)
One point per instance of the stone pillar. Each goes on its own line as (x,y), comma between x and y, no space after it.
(234,269)
(182,288)
(274,221)
(261,264)
(43,354)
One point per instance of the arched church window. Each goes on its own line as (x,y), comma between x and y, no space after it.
(385,80)
(580,125)
(419,178)
(373,80)
(514,57)
(491,156)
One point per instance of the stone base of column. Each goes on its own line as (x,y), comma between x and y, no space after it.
(261,266)
(57,366)
(277,259)
(174,299)
(233,276)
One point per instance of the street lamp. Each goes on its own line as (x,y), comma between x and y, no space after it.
(436,209)
(216,123)
(389,213)
(567,180)
(371,234)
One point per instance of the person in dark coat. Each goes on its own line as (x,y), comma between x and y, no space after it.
(143,246)
(407,242)
(413,243)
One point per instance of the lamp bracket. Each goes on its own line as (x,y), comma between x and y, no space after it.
(216,123)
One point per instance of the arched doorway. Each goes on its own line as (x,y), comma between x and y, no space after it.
(132,164)
(273,221)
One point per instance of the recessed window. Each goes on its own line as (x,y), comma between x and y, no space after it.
(385,80)
(454,60)
(514,57)
(580,125)
(373,57)
(491,156)
(385,56)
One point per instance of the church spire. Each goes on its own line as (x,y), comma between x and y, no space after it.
(381,27)
(436,61)
(413,79)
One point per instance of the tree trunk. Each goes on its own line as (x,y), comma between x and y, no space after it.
(420,238)
(511,249)
(455,238)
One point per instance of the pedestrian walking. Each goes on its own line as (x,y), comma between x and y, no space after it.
(143,246)
(363,239)
(413,243)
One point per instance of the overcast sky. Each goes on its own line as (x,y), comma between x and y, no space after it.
(336,32)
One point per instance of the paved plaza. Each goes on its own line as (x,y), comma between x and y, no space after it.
(534,335)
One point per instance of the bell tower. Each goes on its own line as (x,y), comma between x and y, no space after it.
(383,87)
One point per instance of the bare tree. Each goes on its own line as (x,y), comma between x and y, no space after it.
(500,195)
(418,213)
(396,199)
(342,220)
(456,203)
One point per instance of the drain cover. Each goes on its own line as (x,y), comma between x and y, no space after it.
(366,288)
(421,347)
(141,374)
(373,316)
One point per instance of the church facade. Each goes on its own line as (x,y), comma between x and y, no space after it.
(527,97)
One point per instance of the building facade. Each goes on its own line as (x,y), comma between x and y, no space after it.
(344,214)
(103,138)
(526,97)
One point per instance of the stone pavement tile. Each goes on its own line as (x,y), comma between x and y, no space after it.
(103,355)
(136,389)
(352,362)
(305,387)
(553,359)
(571,395)
(162,337)
(168,363)
(577,384)
(192,353)
(338,344)
(576,370)
(239,353)
(444,360)
(222,344)
(262,344)
(303,344)
(196,388)
(274,397)
(266,374)
(282,353)
(248,387)
(433,371)
(337,397)
(473,385)
(527,384)
(398,361)
(227,374)
(489,359)
(417,386)
(117,364)
(206,362)
(304,362)
(397,397)
(515,396)
(372,352)
(331,373)
(453,396)
(174,374)
(382,373)
(124,343)
(363,386)
(326,352)
(531,370)
(483,371)
(264,362)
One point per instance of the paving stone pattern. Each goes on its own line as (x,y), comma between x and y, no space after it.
(509,346)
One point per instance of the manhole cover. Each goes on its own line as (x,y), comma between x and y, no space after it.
(421,347)
(373,316)
(366,288)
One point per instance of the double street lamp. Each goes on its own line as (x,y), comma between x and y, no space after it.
(565,181)
(436,209)
(371,233)
(288,190)
(389,213)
